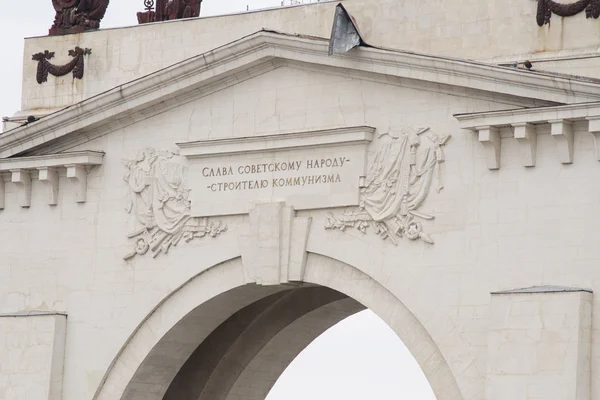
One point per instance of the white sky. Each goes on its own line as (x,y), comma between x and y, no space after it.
(358,359)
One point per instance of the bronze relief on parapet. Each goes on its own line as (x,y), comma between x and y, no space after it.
(167,10)
(45,67)
(547,7)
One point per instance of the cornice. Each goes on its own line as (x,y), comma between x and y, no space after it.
(277,142)
(52,160)
(22,170)
(260,50)
(535,115)
(524,124)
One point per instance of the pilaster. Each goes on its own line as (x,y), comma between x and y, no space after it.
(539,344)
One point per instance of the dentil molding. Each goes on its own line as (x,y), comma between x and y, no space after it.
(524,124)
(21,171)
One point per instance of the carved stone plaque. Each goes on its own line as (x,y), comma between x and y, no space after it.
(307,170)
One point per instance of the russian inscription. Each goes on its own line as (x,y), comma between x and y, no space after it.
(307,178)
(248,180)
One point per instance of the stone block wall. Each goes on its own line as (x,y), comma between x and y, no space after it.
(539,344)
(32,351)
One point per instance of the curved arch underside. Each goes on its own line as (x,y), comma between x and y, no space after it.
(246,354)
(219,338)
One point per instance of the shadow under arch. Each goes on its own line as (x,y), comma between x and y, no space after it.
(218,338)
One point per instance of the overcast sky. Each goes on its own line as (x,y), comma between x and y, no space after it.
(358,359)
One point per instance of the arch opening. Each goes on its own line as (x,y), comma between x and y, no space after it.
(358,358)
(236,344)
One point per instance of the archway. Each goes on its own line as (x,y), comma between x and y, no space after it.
(220,338)
(358,358)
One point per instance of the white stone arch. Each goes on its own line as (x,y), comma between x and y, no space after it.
(222,290)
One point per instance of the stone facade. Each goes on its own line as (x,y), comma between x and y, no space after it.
(192,228)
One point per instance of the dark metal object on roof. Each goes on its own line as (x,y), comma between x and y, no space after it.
(547,7)
(76,16)
(45,67)
(345,34)
(149,4)
(167,10)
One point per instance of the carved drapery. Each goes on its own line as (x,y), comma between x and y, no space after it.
(76,65)
(547,7)
(398,182)
(159,202)
(74,16)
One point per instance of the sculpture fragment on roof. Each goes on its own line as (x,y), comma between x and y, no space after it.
(75,16)
(547,7)
(166,10)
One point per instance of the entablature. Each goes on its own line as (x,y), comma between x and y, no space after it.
(524,125)
(20,171)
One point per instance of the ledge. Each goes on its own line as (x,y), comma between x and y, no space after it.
(277,142)
(524,124)
(52,160)
(538,115)
(544,289)
(33,313)
(21,168)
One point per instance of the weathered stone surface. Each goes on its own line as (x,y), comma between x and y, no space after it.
(148,270)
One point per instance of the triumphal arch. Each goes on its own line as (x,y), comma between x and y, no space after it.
(185,205)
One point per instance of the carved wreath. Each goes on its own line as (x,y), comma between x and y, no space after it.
(547,7)
(76,65)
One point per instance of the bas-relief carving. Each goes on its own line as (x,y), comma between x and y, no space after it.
(45,67)
(567,9)
(160,203)
(398,182)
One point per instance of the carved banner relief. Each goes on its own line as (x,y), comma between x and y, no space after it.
(566,9)
(172,195)
(399,180)
(159,202)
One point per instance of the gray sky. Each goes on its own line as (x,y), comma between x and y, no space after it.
(358,359)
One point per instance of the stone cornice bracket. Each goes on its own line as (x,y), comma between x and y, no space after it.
(594,129)
(49,176)
(561,120)
(526,135)
(48,167)
(78,175)
(22,178)
(274,245)
(562,131)
(489,137)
